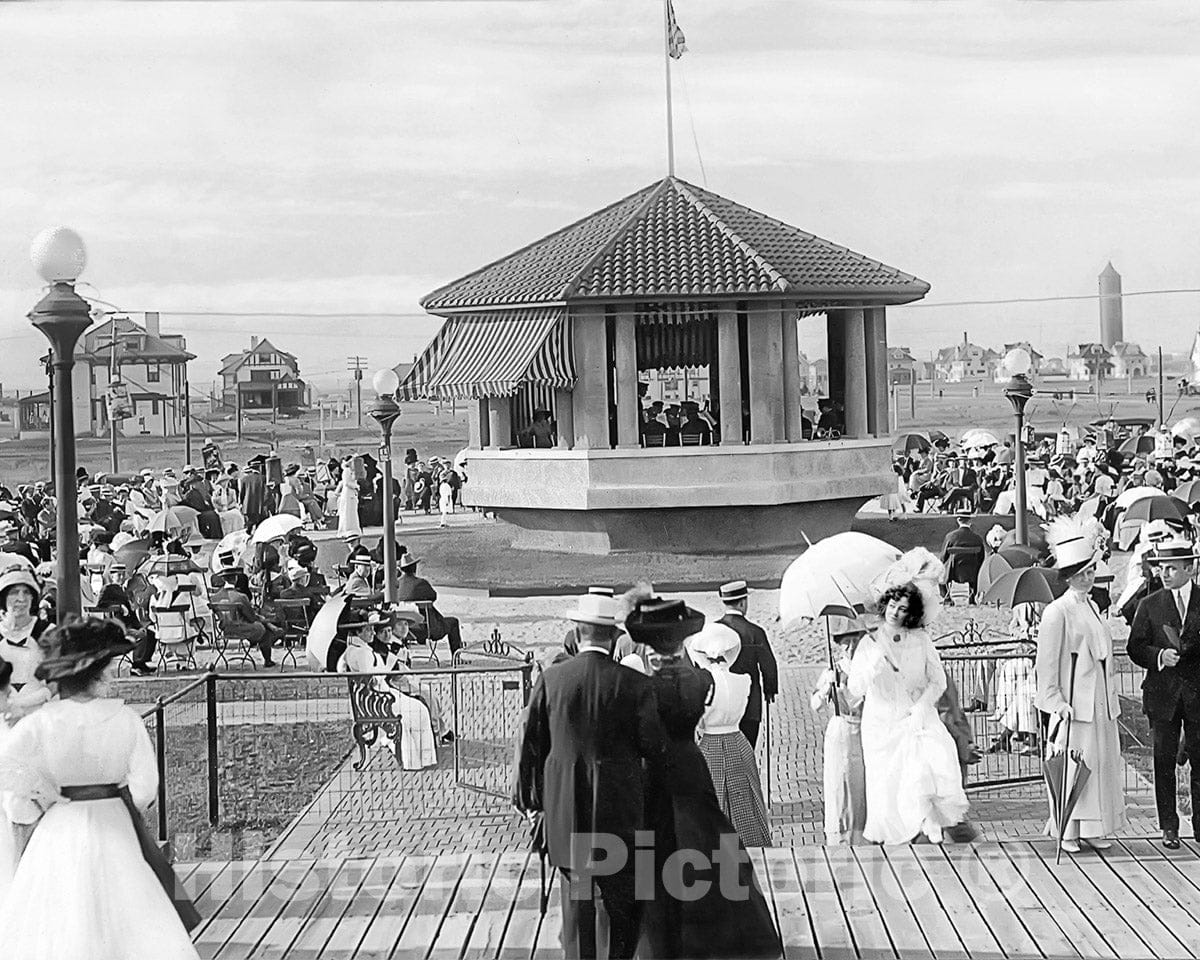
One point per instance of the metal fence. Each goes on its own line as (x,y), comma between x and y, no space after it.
(241,757)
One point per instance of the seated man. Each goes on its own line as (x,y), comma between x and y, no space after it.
(243,622)
(694,424)
(416,589)
(302,588)
(360,583)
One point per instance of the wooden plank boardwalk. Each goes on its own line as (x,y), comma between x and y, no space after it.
(990,900)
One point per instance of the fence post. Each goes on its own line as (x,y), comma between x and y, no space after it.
(527,678)
(160,736)
(210,696)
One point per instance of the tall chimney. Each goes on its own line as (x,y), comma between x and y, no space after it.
(1112,321)
(964,338)
(151,324)
(253,342)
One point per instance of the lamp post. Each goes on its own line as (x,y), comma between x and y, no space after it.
(1019,390)
(384,412)
(62,315)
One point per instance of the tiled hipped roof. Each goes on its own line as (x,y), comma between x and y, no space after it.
(675,239)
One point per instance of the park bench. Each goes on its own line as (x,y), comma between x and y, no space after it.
(372,712)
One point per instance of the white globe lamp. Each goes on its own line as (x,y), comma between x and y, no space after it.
(386,382)
(58,255)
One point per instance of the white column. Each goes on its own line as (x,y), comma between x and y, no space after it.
(729,355)
(765,334)
(499,422)
(878,393)
(629,414)
(477,424)
(856,374)
(565,415)
(791,377)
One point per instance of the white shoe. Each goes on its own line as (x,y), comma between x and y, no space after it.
(1071,846)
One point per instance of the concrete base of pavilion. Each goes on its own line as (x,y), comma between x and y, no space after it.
(691,500)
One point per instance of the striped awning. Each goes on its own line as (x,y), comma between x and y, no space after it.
(493,354)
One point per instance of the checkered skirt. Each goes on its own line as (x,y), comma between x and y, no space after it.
(735,778)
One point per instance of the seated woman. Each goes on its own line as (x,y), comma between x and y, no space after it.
(114,602)
(417,747)
(20,630)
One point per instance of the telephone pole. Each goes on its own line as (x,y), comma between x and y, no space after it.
(357,364)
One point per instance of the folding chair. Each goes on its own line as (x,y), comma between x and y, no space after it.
(426,608)
(655,440)
(176,638)
(224,617)
(691,439)
(189,590)
(296,623)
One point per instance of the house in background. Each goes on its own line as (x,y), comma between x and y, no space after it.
(1001,375)
(151,364)
(902,366)
(1129,360)
(266,378)
(1091,361)
(966,361)
(1052,367)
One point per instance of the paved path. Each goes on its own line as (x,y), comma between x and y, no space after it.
(1000,901)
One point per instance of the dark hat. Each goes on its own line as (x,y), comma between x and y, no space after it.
(257,460)
(663,624)
(291,470)
(74,647)
(408,561)
(733,591)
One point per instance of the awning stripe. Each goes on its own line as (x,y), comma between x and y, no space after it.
(415,386)
(492,354)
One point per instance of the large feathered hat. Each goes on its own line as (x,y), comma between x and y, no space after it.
(920,568)
(1074,543)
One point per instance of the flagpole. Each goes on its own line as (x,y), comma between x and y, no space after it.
(667,65)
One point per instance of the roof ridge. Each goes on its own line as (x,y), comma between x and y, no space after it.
(432,295)
(780,281)
(810,235)
(655,191)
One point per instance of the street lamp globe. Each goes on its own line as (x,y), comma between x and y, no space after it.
(1018,362)
(386,382)
(58,255)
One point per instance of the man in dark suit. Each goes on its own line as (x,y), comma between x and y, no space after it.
(1165,640)
(591,724)
(962,553)
(961,485)
(756,659)
(254,493)
(414,589)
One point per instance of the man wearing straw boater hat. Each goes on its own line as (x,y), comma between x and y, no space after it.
(755,659)
(591,723)
(1165,640)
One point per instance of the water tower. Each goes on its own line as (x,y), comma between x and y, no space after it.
(1112,324)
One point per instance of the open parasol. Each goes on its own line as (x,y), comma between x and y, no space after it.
(232,543)
(833,576)
(172,519)
(911,442)
(133,553)
(1028,585)
(167,564)
(1158,508)
(1137,446)
(1133,495)
(276,528)
(1188,492)
(991,570)
(1019,555)
(323,644)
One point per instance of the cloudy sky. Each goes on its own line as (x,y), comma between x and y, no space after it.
(350,157)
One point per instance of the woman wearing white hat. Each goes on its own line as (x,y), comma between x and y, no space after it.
(1075,686)
(20,629)
(347,500)
(726,750)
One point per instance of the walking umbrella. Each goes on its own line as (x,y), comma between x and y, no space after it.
(1188,492)
(1030,585)
(991,570)
(910,443)
(1065,772)
(833,576)
(1158,508)
(276,528)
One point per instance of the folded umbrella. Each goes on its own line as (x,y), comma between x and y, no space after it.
(833,576)
(1028,585)
(1065,771)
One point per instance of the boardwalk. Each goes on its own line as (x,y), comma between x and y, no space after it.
(995,900)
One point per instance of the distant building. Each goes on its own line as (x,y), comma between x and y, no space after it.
(267,378)
(1129,360)
(1091,361)
(902,366)
(151,365)
(814,376)
(1052,367)
(966,361)
(1001,375)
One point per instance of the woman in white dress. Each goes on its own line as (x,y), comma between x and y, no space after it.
(348,499)
(1075,686)
(417,747)
(726,750)
(914,784)
(90,884)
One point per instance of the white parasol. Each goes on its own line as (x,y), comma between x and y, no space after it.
(834,575)
(173,518)
(1134,494)
(276,528)
(323,630)
(234,543)
(979,439)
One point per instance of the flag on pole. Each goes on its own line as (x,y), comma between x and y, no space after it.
(676,42)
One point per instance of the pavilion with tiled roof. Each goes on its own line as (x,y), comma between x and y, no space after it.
(672,276)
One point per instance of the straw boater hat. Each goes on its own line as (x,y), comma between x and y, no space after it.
(77,647)
(733,591)
(596,609)
(714,643)
(1177,548)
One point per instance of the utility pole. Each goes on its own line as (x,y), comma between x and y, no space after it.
(237,392)
(932,375)
(114,370)
(357,364)
(187,420)
(1161,418)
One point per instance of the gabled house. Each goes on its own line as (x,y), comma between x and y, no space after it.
(151,365)
(902,366)
(1129,360)
(266,378)
(1091,361)
(1001,375)
(966,361)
